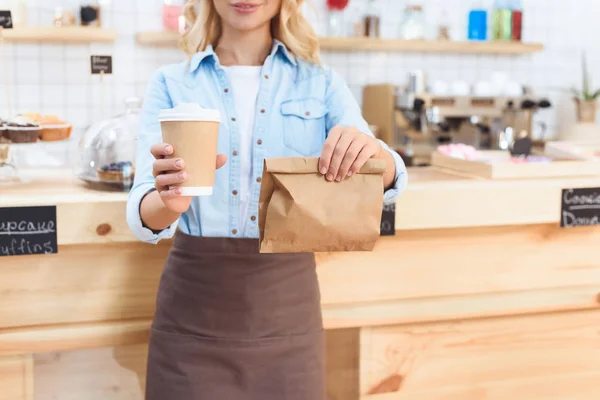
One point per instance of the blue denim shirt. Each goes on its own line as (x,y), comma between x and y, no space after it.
(298,103)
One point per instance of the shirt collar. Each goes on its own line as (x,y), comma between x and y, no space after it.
(277,47)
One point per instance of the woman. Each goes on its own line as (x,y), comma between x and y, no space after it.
(231,323)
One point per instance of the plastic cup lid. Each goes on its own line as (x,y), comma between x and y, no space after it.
(189,112)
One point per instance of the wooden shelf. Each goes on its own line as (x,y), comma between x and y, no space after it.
(367,44)
(51,34)
(429,46)
(162,39)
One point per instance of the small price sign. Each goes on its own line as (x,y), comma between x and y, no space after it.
(388,220)
(580,207)
(6,20)
(101,65)
(27,231)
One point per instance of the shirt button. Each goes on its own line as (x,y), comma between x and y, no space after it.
(234,231)
(259,180)
(262,111)
(226,90)
(233,119)
(253,218)
(307,113)
(235,192)
(235,153)
(259,142)
(266,76)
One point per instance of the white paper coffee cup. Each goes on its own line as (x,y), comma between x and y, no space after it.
(193,132)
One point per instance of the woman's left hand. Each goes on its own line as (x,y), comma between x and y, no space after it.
(345,152)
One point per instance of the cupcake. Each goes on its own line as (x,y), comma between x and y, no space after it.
(23,130)
(54,129)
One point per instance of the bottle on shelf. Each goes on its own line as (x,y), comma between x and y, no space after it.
(502,20)
(171,14)
(336,18)
(478,25)
(372,20)
(517,20)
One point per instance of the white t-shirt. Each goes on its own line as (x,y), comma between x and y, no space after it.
(245,83)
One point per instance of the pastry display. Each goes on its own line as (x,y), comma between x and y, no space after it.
(117,172)
(33,127)
(108,148)
(54,129)
(3,132)
(22,129)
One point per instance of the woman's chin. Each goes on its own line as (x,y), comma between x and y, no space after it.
(246,24)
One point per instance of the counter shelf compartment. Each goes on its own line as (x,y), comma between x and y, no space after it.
(495,164)
(10,174)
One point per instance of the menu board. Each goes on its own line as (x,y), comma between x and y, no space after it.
(388,220)
(27,231)
(101,65)
(580,207)
(6,19)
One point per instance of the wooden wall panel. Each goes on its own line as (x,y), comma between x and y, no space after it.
(81,223)
(553,356)
(16,378)
(96,374)
(459,262)
(55,338)
(343,364)
(85,283)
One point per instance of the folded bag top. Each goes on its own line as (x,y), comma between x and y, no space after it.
(300,211)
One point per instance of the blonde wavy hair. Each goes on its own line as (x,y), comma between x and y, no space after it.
(289,27)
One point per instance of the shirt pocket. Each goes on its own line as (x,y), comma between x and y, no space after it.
(304,125)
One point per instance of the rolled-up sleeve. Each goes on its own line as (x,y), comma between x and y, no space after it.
(343,109)
(157,98)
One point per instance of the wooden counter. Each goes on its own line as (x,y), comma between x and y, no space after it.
(480,295)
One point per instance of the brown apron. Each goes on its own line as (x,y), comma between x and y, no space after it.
(232,324)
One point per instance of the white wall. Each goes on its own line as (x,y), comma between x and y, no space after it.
(55,78)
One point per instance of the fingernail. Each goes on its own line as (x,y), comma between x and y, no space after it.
(181,176)
(339,178)
(168,149)
(349,173)
(177,191)
(179,164)
(323,171)
(330,177)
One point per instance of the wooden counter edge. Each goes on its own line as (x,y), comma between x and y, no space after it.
(433,199)
(44,339)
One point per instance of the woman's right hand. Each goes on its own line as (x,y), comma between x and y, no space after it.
(170,172)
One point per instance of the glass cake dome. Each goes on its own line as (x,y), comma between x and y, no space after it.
(107,150)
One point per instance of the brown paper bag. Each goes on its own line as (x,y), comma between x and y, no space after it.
(301,212)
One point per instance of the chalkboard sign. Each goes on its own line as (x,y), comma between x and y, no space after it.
(28,230)
(101,64)
(6,19)
(580,207)
(388,220)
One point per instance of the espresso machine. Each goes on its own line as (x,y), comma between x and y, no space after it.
(415,122)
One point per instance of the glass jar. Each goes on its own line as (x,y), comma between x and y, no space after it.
(107,150)
(413,23)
